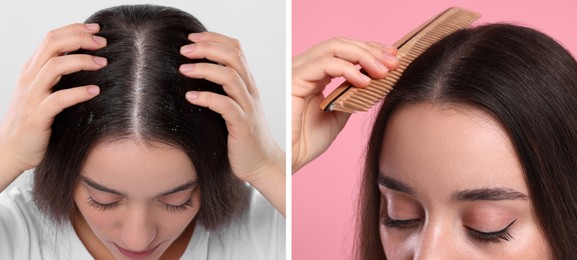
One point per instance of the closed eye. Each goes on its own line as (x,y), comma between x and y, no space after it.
(492,237)
(397,223)
(100,206)
(178,208)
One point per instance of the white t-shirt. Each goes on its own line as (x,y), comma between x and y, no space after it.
(26,234)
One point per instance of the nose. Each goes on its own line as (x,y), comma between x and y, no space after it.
(435,242)
(138,230)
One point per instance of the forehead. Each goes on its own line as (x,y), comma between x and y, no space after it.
(449,147)
(128,164)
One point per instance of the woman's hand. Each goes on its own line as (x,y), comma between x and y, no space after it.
(254,156)
(313,130)
(25,131)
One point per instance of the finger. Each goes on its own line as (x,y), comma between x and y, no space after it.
(56,67)
(360,51)
(322,68)
(66,39)
(214,37)
(75,27)
(230,110)
(375,48)
(375,62)
(235,51)
(91,28)
(388,49)
(386,54)
(229,78)
(214,51)
(384,61)
(341,44)
(62,99)
(227,55)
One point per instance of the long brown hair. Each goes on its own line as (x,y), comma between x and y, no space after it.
(527,81)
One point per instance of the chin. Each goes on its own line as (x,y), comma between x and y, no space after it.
(148,254)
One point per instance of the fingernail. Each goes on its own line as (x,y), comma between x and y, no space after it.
(99,40)
(194,36)
(191,95)
(187,48)
(92,26)
(94,90)
(100,60)
(391,59)
(390,48)
(381,67)
(186,67)
(365,77)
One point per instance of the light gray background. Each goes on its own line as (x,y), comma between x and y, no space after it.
(258,24)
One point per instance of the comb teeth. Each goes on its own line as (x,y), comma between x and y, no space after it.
(347,98)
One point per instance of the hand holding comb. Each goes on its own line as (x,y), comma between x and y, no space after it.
(347,98)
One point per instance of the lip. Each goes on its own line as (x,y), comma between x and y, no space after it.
(136,254)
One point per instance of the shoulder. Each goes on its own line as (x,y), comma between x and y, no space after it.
(18,210)
(25,233)
(20,221)
(258,233)
(261,217)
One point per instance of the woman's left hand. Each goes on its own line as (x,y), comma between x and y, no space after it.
(253,154)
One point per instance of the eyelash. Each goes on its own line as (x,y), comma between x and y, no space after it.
(483,237)
(100,206)
(492,237)
(178,208)
(170,208)
(394,223)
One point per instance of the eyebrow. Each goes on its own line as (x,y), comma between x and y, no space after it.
(93,184)
(488,194)
(183,187)
(394,184)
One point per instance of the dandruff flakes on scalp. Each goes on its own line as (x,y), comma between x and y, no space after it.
(169,106)
(138,81)
(90,118)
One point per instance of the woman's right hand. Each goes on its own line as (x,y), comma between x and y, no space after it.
(314,130)
(25,130)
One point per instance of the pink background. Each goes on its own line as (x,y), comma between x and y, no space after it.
(324,192)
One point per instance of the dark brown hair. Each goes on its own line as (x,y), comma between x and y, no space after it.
(142,98)
(528,82)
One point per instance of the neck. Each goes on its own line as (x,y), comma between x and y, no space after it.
(92,244)
(177,248)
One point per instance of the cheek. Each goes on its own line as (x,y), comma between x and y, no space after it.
(99,221)
(531,242)
(196,202)
(170,225)
(174,223)
(394,247)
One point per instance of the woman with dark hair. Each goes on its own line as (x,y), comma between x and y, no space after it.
(144,135)
(473,154)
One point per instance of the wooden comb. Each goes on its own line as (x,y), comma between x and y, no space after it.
(347,98)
